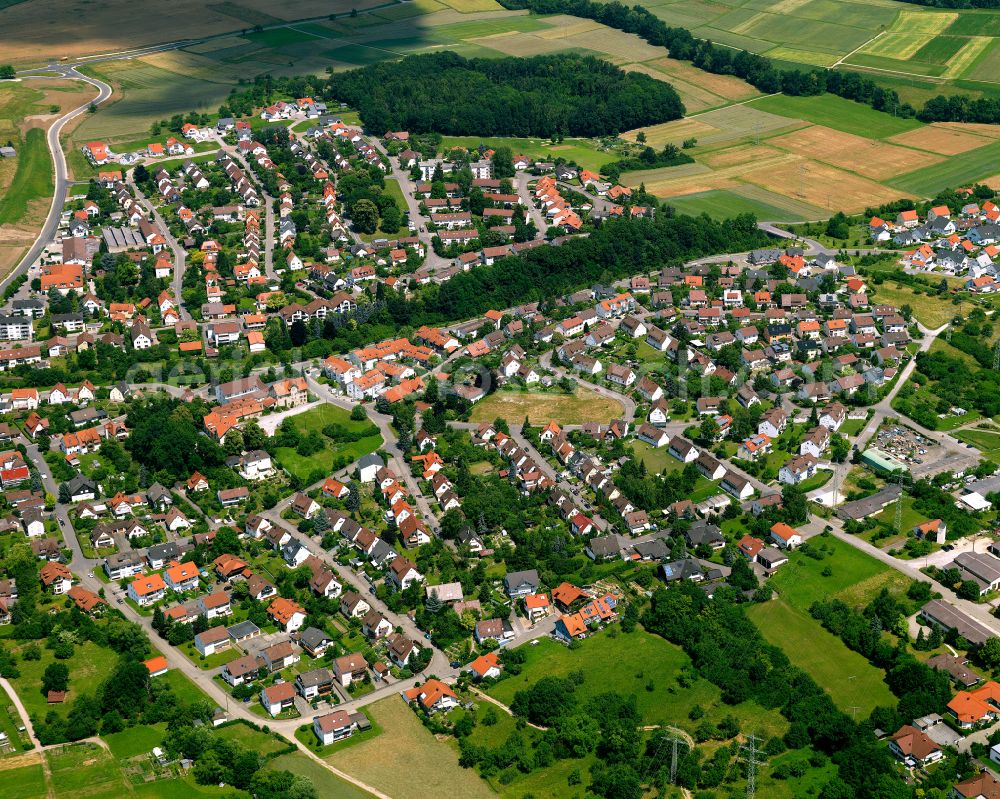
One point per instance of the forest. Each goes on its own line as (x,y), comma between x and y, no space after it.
(549,95)
(760,71)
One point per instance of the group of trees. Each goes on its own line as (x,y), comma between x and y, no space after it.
(165,438)
(727,649)
(606,725)
(220,760)
(761,72)
(540,96)
(920,688)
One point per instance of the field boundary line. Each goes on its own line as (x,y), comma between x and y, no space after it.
(878,35)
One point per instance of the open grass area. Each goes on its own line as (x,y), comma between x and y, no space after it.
(801,582)
(584,152)
(24,782)
(986,441)
(10,720)
(246,736)
(185,690)
(328,785)
(314,420)
(415,764)
(541,407)
(852,682)
(85,770)
(88,668)
(930,310)
(135,740)
(33,179)
(642,665)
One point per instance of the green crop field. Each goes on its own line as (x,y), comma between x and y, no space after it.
(25,782)
(837,113)
(848,677)
(723,204)
(967,168)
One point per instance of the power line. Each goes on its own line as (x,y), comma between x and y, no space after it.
(750,752)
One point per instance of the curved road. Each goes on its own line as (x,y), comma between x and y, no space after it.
(61,182)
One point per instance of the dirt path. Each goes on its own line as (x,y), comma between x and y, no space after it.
(502,706)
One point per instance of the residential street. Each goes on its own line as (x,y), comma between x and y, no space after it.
(180,254)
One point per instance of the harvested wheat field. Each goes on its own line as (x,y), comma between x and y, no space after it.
(821,185)
(695,98)
(676,131)
(868,157)
(979,129)
(563,25)
(723,85)
(742,154)
(943,138)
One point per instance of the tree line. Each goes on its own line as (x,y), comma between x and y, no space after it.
(760,71)
(547,95)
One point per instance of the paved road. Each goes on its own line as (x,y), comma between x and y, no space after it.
(432,261)
(628,414)
(534,213)
(61,181)
(180,254)
(22,711)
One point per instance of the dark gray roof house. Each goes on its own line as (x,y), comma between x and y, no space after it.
(522,583)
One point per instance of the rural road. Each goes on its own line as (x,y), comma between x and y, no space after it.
(61,182)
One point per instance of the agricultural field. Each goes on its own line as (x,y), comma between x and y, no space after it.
(416,765)
(941,44)
(24,782)
(852,682)
(540,408)
(41,31)
(26,111)
(782,158)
